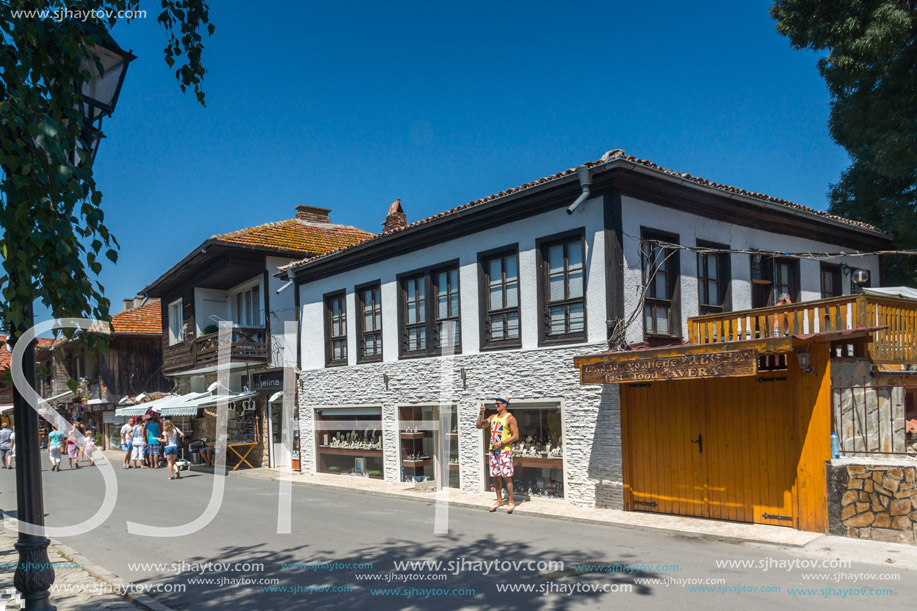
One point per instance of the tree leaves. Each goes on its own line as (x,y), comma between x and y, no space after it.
(871,74)
(52,224)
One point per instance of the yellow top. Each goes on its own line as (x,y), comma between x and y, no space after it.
(499,431)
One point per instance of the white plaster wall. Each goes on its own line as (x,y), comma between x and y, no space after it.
(209,302)
(524,232)
(691,228)
(282,310)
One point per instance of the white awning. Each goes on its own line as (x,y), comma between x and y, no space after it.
(5,408)
(64,396)
(142,408)
(230,397)
(892,291)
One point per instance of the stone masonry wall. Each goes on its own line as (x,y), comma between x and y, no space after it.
(591,414)
(868,412)
(871,500)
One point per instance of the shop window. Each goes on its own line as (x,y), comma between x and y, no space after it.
(660,267)
(563,288)
(538,455)
(336,329)
(713,279)
(420,441)
(370,323)
(499,300)
(349,441)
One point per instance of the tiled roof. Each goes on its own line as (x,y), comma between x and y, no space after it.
(610,156)
(144,319)
(297,235)
(6,351)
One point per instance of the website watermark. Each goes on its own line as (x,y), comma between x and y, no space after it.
(782,564)
(64,13)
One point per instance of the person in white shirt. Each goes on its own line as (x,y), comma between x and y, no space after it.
(126,443)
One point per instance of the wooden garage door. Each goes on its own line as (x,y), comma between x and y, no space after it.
(724,449)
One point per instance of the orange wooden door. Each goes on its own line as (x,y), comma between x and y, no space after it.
(721,449)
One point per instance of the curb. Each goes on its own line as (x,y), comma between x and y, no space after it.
(102,574)
(520,510)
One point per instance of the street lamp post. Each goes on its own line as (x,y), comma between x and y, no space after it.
(34,575)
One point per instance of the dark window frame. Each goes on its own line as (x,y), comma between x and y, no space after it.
(672,301)
(835,270)
(362,333)
(484,311)
(544,304)
(724,278)
(794,286)
(330,338)
(431,329)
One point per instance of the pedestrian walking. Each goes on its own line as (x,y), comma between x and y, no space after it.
(13,450)
(5,435)
(55,439)
(73,449)
(126,444)
(89,447)
(170,437)
(153,443)
(138,445)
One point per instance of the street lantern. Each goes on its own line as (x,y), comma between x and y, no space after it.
(100,93)
(34,575)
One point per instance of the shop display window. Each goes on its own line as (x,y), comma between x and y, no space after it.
(349,441)
(420,440)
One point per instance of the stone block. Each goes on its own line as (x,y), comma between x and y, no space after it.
(910,474)
(900,507)
(883,491)
(853,532)
(882,521)
(855,484)
(891,483)
(896,472)
(861,520)
(876,506)
(849,497)
(863,496)
(848,512)
(877,476)
(869,485)
(914,502)
(855,470)
(901,523)
(905,494)
(876,502)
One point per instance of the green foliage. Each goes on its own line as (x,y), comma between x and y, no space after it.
(53,230)
(871,74)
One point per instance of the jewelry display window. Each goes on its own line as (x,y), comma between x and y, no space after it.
(349,441)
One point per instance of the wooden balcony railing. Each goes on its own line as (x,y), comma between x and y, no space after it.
(248,344)
(897,344)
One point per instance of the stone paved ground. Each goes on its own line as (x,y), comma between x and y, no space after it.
(74,588)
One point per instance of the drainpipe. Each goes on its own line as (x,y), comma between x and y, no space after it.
(585,181)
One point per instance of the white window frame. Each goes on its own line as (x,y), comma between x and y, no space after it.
(176,323)
(238,313)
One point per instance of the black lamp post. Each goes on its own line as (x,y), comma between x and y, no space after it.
(34,575)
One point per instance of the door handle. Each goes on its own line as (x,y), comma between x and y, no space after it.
(700,443)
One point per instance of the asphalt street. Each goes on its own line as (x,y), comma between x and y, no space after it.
(344,550)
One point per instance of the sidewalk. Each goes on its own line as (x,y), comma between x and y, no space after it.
(77,583)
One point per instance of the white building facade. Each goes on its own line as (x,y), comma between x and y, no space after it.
(530,283)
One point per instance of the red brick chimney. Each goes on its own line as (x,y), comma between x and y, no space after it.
(396,218)
(313,214)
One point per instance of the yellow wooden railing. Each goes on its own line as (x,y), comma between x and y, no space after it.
(896,344)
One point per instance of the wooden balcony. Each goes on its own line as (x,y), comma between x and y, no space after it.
(249,345)
(896,344)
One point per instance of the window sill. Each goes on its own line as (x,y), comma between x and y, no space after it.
(555,341)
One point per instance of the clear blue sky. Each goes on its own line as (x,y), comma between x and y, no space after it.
(352,106)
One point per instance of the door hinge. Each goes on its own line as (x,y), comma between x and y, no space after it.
(647,503)
(781,379)
(770,516)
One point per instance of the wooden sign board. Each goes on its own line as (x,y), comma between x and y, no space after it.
(678,367)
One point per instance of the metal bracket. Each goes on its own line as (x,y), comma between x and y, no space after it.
(647,503)
(770,516)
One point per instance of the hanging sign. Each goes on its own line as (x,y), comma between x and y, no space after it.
(677,367)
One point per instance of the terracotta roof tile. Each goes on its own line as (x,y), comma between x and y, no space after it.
(297,235)
(616,154)
(144,319)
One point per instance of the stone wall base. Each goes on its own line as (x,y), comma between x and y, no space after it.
(873,501)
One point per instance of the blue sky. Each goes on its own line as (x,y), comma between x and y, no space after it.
(353,105)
